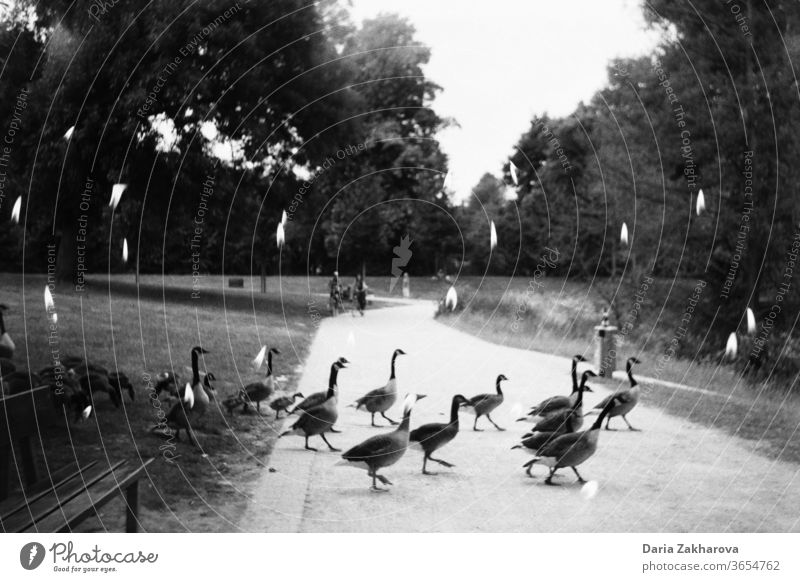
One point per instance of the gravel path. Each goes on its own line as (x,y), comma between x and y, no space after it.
(674,476)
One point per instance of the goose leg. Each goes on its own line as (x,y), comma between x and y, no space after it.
(549,480)
(383,479)
(529,467)
(441,462)
(609,422)
(580,479)
(331,447)
(394,422)
(310,448)
(629,425)
(489,416)
(425,465)
(475,424)
(373,419)
(375,487)
(258,406)
(334,431)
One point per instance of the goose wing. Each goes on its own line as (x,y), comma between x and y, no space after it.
(372,394)
(552,404)
(480,398)
(429,431)
(561,445)
(375,446)
(623,396)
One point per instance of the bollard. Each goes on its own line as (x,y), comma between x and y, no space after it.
(606,349)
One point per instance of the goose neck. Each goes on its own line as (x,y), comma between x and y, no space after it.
(392,375)
(574,374)
(195,370)
(454,406)
(2,324)
(497,387)
(332,379)
(269,363)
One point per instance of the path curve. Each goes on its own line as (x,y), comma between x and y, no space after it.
(675,476)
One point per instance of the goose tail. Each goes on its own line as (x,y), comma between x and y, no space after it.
(530,463)
(516,447)
(341,463)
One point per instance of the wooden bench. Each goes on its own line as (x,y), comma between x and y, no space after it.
(67,495)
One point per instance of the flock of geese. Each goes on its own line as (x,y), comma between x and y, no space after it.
(555,439)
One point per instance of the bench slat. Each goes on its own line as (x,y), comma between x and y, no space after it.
(49,504)
(21,500)
(86,504)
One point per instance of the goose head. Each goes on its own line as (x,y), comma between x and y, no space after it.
(501,378)
(274,351)
(297,395)
(631,361)
(210,390)
(584,377)
(578,358)
(339,364)
(460,400)
(398,352)
(411,400)
(343,360)
(199,350)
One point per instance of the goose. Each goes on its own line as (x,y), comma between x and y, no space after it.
(7,346)
(382,450)
(210,391)
(431,437)
(167,382)
(282,403)
(572,449)
(383,398)
(7,366)
(318,419)
(91,383)
(557,421)
(626,399)
(558,403)
(318,398)
(119,381)
(67,393)
(532,442)
(181,414)
(257,392)
(484,404)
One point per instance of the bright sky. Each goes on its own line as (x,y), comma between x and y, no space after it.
(504,61)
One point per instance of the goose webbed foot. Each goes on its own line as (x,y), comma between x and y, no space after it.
(580,479)
(494,423)
(549,480)
(393,422)
(330,446)
(443,463)
(383,480)
(310,448)
(629,425)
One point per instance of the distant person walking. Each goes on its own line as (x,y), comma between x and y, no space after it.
(360,292)
(335,289)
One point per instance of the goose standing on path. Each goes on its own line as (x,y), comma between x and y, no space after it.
(257,392)
(532,442)
(558,403)
(201,399)
(318,398)
(382,450)
(319,419)
(431,437)
(484,404)
(557,421)
(570,450)
(626,399)
(383,398)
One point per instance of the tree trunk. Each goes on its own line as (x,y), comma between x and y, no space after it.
(65,260)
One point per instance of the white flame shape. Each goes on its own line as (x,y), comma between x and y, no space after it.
(50,305)
(125,250)
(86,412)
(188,395)
(16,209)
(258,361)
(589,489)
(280,235)
(451,300)
(513,169)
(751,321)
(492,236)
(69,132)
(448,181)
(732,346)
(516,410)
(623,235)
(116,194)
(351,339)
(284,218)
(701,202)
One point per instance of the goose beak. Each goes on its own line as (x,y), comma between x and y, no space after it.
(421,396)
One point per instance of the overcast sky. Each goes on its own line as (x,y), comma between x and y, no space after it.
(502,62)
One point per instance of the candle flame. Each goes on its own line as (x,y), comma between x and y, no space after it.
(50,305)
(513,169)
(125,250)
(280,235)
(732,346)
(623,235)
(451,300)
(68,133)
(701,202)
(16,209)
(86,412)
(284,218)
(258,361)
(116,194)
(492,236)
(751,321)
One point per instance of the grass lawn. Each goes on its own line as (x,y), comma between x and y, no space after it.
(559,318)
(146,332)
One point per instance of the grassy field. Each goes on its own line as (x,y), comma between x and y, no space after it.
(559,317)
(146,331)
